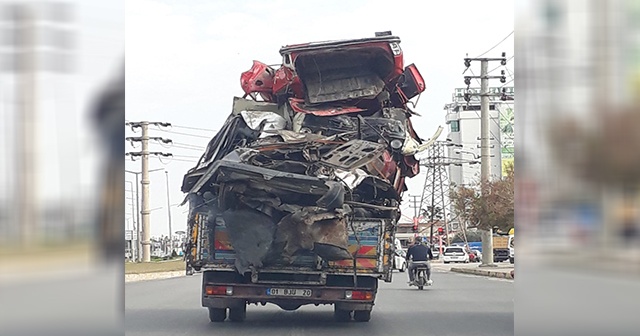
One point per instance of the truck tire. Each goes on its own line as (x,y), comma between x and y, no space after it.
(217,314)
(341,315)
(238,314)
(362,315)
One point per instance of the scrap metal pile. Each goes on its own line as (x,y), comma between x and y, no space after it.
(324,138)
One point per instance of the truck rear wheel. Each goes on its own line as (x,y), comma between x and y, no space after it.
(217,314)
(362,315)
(238,314)
(342,315)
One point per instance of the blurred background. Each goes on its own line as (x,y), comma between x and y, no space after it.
(61,94)
(578,176)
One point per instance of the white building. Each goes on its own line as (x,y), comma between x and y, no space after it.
(463,120)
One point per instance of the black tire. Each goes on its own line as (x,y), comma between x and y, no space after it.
(420,287)
(403,268)
(341,315)
(217,314)
(362,315)
(238,314)
(446,262)
(511,260)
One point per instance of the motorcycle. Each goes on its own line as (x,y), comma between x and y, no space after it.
(421,277)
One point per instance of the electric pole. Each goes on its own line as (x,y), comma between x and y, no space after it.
(144,139)
(436,183)
(28,52)
(134,251)
(485,155)
(166,174)
(26,116)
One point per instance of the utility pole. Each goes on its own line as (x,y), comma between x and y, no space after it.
(166,174)
(138,210)
(485,155)
(138,223)
(25,57)
(144,139)
(27,100)
(135,225)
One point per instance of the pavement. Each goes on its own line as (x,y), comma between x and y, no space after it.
(503,270)
(456,304)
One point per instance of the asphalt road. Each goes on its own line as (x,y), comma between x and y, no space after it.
(456,304)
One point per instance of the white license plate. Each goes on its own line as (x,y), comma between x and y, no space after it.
(289,292)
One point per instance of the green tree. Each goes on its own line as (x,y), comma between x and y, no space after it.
(494,207)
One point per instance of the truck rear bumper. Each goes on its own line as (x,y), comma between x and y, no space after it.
(250,293)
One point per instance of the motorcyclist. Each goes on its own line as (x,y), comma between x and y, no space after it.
(419,255)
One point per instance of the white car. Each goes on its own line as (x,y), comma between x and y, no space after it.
(455,254)
(399,261)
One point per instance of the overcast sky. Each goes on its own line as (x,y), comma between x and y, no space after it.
(184,59)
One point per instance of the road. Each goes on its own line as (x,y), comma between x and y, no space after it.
(456,304)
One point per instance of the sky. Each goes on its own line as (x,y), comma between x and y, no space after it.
(184,60)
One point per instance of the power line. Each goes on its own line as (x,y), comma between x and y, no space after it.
(188,148)
(187,134)
(507,83)
(495,45)
(189,145)
(195,128)
(174,159)
(500,66)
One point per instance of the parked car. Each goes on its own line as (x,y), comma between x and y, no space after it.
(455,254)
(399,261)
(435,249)
(477,256)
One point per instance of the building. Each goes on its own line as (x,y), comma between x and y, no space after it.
(405,233)
(463,120)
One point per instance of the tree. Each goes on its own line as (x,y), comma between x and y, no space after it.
(494,207)
(470,236)
(606,156)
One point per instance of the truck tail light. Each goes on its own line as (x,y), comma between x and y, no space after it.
(219,290)
(358,295)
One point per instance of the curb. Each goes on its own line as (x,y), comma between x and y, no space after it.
(136,277)
(492,274)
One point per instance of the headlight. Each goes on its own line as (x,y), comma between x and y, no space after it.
(396,144)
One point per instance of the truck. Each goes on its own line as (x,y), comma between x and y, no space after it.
(295,200)
(512,251)
(501,251)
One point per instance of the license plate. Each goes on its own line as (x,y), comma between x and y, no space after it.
(289,292)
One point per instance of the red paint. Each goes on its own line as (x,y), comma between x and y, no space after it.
(298,106)
(258,79)
(413,166)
